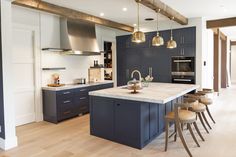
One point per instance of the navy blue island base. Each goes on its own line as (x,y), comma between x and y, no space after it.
(132,123)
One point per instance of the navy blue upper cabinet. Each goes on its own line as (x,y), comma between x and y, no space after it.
(185,36)
(143,56)
(186,42)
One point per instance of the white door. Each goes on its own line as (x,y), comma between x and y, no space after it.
(24,84)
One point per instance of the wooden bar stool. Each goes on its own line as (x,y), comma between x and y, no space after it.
(200,109)
(206,100)
(182,116)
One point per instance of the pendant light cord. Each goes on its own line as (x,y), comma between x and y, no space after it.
(172,27)
(138,16)
(157,21)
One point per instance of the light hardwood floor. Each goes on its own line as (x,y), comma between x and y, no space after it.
(72,139)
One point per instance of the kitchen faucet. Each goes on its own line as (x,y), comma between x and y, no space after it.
(136,71)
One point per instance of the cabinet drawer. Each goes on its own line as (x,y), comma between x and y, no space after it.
(65,102)
(65,114)
(65,94)
(81,92)
(83,104)
(103,86)
(66,110)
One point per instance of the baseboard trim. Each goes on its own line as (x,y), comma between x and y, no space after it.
(233,81)
(9,143)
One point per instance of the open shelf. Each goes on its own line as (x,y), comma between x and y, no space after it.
(56,68)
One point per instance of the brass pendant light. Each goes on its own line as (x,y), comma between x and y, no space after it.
(157,40)
(138,36)
(171,44)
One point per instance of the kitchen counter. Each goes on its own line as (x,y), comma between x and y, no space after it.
(155,93)
(134,119)
(73,86)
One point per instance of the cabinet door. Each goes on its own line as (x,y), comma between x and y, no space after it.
(188,35)
(82,100)
(160,61)
(189,50)
(127,120)
(161,111)
(153,120)
(122,71)
(102,117)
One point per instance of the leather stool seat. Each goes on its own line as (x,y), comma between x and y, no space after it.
(206,101)
(185,116)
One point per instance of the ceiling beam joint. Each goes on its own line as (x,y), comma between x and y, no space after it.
(165,10)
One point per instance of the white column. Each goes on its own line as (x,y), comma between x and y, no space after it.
(10,140)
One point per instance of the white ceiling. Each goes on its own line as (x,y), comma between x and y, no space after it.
(112,9)
(210,9)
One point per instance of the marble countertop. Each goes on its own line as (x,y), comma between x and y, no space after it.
(155,93)
(73,86)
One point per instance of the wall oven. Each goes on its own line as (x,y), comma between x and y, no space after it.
(183,66)
(183,70)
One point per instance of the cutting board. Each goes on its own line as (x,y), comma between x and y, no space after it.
(56,85)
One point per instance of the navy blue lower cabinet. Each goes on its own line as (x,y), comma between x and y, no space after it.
(153,118)
(131,123)
(126,113)
(102,117)
(65,104)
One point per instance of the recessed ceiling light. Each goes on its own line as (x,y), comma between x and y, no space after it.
(134,24)
(102,14)
(124,9)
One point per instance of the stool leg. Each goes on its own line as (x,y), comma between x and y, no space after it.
(208,111)
(175,139)
(204,117)
(182,139)
(167,134)
(203,124)
(198,131)
(192,134)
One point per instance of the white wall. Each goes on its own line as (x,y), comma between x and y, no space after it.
(233,64)
(208,57)
(10,140)
(48,25)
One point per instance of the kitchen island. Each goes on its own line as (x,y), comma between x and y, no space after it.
(134,119)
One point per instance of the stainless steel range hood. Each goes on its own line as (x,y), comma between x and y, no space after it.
(77,38)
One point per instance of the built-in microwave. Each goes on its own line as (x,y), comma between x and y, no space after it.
(183,66)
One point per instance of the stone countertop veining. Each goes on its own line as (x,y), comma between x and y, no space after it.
(73,86)
(155,93)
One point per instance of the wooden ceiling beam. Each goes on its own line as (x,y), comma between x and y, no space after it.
(71,14)
(165,10)
(233,43)
(227,22)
